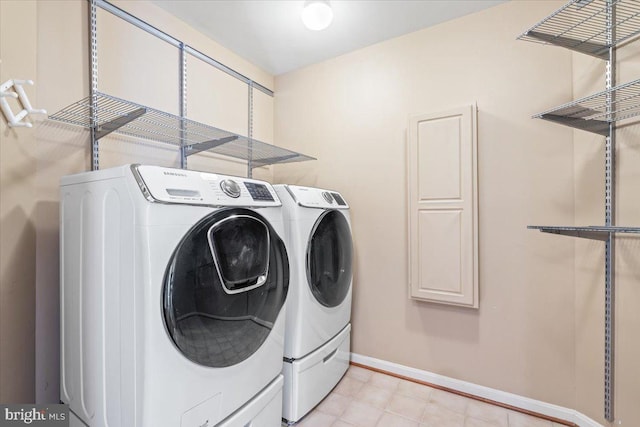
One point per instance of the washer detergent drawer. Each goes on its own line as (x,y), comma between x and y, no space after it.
(308,380)
(264,410)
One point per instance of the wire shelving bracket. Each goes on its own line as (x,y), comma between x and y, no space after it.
(593,232)
(595,113)
(583,26)
(113,114)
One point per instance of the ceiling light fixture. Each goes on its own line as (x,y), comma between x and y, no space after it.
(317,14)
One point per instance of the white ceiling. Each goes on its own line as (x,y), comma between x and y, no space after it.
(270,33)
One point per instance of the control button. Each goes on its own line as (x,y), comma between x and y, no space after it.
(339,199)
(230,188)
(259,192)
(327,196)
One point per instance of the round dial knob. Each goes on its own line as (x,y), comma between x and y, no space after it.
(327,196)
(230,188)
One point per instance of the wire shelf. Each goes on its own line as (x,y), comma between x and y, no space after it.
(117,115)
(581,25)
(596,112)
(589,232)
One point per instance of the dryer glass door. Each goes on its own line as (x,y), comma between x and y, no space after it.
(329,257)
(224,287)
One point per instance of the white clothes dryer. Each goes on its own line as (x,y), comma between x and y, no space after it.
(173,289)
(318,330)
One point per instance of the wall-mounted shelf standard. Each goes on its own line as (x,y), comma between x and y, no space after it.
(595,113)
(588,232)
(597,28)
(113,114)
(582,25)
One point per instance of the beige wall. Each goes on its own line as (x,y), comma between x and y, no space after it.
(47,41)
(351,113)
(17,227)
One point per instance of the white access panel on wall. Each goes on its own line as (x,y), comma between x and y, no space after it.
(443,207)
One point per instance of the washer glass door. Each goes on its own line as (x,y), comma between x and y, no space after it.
(329,257)
(224,286)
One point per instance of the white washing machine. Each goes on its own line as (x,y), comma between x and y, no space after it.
(318,331)
(173,289)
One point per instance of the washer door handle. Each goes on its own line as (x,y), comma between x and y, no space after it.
(261,280)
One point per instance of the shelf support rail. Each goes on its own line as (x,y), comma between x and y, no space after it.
(183,105)
(609,373)
(93,87)
(250,165)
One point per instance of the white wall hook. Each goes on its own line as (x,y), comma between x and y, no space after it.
(17,84)
(9,94)
(15,120)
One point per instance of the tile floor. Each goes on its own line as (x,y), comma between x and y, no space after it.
(364,398)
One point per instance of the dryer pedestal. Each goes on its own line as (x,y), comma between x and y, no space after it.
(310,379)
(262,410)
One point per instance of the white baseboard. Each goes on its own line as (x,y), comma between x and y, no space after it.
(511,399)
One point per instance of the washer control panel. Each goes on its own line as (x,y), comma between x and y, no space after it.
(317,198)
(169,185)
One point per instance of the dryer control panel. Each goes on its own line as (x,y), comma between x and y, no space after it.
(317,198)
(168,185)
